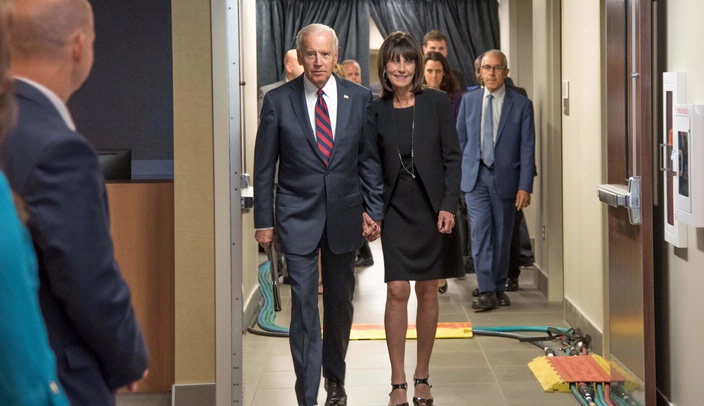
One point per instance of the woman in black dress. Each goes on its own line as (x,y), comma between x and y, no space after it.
(421,161)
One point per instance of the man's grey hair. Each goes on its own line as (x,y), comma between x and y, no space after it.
(315,29)
(350,61)
(504,61)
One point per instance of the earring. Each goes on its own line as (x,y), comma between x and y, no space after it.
(383,74)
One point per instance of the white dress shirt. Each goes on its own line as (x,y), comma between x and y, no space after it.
(330,97)
(497,104)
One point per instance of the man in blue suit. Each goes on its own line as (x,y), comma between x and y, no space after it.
(84,300)
(320,130)
(497,137)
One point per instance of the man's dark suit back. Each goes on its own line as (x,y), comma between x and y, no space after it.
(84,300)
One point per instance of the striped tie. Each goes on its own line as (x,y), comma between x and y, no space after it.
(323,129)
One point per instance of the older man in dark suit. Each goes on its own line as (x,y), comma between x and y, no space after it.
(497,137)
(84,300)
(320,130)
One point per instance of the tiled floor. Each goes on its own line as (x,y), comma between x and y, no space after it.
(477,371)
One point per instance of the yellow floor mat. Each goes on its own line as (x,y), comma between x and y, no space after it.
(445,330)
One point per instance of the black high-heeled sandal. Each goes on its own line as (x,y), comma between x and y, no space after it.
(395,386)
(442,289)
(420,401)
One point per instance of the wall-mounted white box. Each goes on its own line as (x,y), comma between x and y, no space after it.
(674,91)
(688,161)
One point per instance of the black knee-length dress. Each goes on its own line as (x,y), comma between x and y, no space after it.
(413,247)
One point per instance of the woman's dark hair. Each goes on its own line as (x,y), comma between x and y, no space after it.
(449,84)
(399,44)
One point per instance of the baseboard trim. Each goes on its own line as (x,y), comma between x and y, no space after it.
(540,279)
(200,394)
(575,318)
(251,310)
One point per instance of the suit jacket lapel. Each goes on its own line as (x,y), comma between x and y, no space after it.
(300,109)
(505,111)
(388,122)
(343,114)
(477,124)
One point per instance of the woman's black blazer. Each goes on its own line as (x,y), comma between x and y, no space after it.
(436,146)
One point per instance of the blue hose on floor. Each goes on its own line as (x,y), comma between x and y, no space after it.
(578,395)
(534,329)
(266,317)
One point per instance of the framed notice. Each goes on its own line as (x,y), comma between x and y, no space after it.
(674,91)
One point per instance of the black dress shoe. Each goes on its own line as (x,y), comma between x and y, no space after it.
(511,284)
(503,299)
(485,301)
(475,292)
(336,393)
(361,261)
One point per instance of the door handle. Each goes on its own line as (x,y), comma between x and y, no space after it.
(664,160)
(627,196)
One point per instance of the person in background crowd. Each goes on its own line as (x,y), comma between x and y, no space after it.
(436,41)
(438,75)
(353,72)
(293,70)
(497,137)
(84,300)
(477,73)
(421,160)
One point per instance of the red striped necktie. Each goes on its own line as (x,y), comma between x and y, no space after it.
(323,129)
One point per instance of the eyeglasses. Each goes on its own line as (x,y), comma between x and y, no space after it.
(489,68)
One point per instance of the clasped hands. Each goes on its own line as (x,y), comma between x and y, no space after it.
(446,222)
(371,230)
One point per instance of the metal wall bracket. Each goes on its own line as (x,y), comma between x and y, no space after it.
(247,197)
(628,196)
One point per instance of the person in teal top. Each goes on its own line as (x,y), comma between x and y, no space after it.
(27,364)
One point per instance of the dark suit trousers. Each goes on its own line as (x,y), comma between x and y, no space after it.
(514,266)
(308,350)
(492,219)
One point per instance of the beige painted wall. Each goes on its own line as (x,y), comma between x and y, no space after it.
(686,266)
(582,140)
(193,193)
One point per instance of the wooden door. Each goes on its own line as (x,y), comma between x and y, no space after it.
(629,153)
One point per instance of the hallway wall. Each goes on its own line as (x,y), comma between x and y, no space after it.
(685,274)
(193,194)
(583,141)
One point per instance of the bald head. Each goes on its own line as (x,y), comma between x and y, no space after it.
(293,68)
(51,43)
(46,29)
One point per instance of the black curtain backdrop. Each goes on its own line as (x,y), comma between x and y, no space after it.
(471,26)
(278,22)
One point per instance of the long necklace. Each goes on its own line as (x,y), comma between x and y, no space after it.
(412,172)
